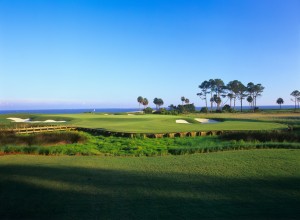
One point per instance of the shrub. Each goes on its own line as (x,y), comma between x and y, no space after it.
(256,109)
(188,108)
(148,110)
(204,110)
(226,108)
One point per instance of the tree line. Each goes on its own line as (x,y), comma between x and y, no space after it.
(144,101)
(296,99)
(215,90)
(173,109)
(217,93)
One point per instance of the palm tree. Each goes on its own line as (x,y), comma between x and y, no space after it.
(250,100)
(140,100)
(280,102)
(296,94)
(182,99)
(145,102)
(155,101)
(186,101)
(217,100)
(160,103)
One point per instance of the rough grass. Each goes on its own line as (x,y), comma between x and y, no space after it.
(118,146)
(42,139)
(256,184)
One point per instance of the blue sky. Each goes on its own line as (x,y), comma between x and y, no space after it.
(99,54)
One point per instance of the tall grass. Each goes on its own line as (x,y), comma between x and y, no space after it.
(54,143)
(263,136)
(8,137)
(80,143)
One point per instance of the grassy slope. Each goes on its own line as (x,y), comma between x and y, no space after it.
(256,184)
(159,123)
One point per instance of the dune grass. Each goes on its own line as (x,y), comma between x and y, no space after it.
(255,184)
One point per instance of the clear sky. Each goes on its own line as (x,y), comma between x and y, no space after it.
(106,53)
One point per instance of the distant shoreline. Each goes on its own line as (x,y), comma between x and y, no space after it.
(118,110)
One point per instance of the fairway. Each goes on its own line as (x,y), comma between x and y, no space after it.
(255,184)
(156,123)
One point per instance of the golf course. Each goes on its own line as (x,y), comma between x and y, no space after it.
(250,171)
(137,123)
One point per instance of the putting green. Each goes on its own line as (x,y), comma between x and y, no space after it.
(153,123)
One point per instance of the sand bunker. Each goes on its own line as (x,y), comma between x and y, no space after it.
(19,119)
(206,121)
(27,120)
(180,121)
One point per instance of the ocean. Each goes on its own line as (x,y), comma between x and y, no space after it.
(69,111)
(114,110)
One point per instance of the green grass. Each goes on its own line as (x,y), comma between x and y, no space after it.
(51,143)
(156,123)
(261,136)
(255,184)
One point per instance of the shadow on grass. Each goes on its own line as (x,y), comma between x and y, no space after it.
(33,192)
(245,120)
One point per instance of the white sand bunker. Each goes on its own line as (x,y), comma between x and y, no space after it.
(180,121)
(206,121)
(19,119)
(27,120)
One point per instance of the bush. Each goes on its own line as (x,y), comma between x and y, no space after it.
(188,108)
(204,110)
(226,108)
(162,111)
(148,110)
(256,109)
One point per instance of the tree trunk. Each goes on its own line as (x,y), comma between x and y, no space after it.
(241,105)
(234,103)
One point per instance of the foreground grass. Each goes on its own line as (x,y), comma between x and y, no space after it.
(255,184)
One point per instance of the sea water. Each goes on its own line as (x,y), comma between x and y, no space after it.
(116,110)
